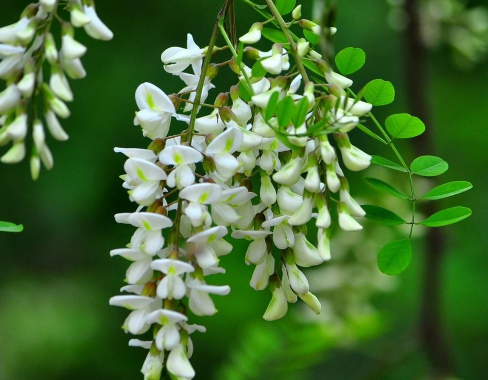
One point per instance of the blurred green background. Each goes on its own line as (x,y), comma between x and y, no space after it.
(56,277)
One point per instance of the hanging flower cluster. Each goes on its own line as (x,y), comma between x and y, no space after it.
(260,165)
(29,103)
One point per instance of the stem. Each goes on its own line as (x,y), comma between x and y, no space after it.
(430,330)
(289,37)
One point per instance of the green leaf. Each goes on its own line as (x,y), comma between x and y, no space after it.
(272,104)
(404,126)
(311,37)
(285,111)
(395,257)
(285,6)
(386,187)
(370,133)
(382,215)
(448,190)
(274,35)
(258,71)
(284,140)
(429,166)
(317,127)
(11,227)
(300,113)
(448,216)
(244,92)
(380,161)
(350,60)
(379,92)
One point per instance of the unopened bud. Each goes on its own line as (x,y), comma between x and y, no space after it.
(157,145)
(227,115)
(222,99)
(310,25)
(212,71)
(297,12)
(252,53)
(209,164)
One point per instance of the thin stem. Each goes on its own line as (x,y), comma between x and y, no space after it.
(289,37)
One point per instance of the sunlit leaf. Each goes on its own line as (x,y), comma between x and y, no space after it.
(350,60)
(381,161)
(386,187)
(448,216)
(448,190)
(395,257)
(404,126)
(429,166)
(379,92)
(382,215)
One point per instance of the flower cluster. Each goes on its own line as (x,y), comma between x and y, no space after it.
(28,103)
(265,164)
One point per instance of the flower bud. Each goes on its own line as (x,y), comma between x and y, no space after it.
(289,173)
(323,219)
(227,115)
(35,165)
(298,281)
(78,17)
(331,178)
(323,244)
(48,5)
(304,252)
(96,28)
(50,49)
(209,164)
(310,25)
(15,154)
(54,127)
(59,84)
(312,302)
(222,100)
(267,191)
(212,71)
(17,130)
(9,98)
(297,12)
(252,53)
(354,208)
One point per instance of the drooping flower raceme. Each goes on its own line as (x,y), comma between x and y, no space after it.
(261,165)
(24,48)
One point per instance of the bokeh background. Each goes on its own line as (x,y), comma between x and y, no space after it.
(56,277)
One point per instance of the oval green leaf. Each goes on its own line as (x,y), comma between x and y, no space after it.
(382,215)
(381,161)
(448,216)
(386,187)
(11,227)
(350,60)
(284,112)
(395,257)
(448,190)
(404,126)
(274,35)
(244,92)
(272,104)
(311,37)
(379,92)
(258,71)
(300,113)
(285,6)
(429,166)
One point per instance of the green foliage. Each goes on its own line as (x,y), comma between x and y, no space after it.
(244,91)
(10,227)
(379,92)
(300,112)
(381,161)
(311,37)
(350,60)
(429,166)
(448,216)
(382,215)
(386,187)
(284,112)
(404,126)
(285,6)
(448,190)
(274,35)
(395,257)
(258,71)
(272,104)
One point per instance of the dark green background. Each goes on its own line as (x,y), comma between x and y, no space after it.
(56,277)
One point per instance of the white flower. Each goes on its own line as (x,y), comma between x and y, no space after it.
(178,363)
(298,281)
(288,200)
(311,301)
(155,112)
(221,149)
(96,28)
(346,221)
(267,192)
(9,98)
(323,244)
(260,276)
(77,17)
(181,157)
(191,81)
(304,212)
(143,179)
(304,252)
(354,158)
(136,322)
(8,34)
(277,307)
(254,34)
(71,49)
(338,79)
(177,59)
(168,337)
(354,208)
(18,129)
(277,60)
(283,236)
(289,173)
(15,154)
(199,195)
(200,301)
